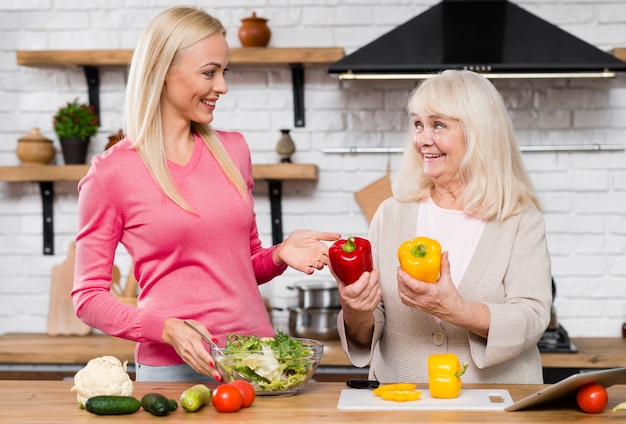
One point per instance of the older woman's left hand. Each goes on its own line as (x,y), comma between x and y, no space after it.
(439,298)
(304,250)
(442,300)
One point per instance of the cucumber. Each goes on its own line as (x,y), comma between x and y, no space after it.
(156,404)
(172,404)
(112,405)
(195,397)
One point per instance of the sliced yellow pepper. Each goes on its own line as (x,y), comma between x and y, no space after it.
(444,372)
(399,392)
(421,258)
(400,395)
(393,387)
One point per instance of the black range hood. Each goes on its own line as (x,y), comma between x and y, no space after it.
(494,37)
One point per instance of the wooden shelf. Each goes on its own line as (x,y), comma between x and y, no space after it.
(279,171)
(46,175)
(620,53)
(92,60)
(237,56)
(42,173)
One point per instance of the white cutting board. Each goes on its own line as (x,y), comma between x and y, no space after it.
(468,399)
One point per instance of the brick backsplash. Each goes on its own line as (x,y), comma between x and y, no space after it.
(584,193)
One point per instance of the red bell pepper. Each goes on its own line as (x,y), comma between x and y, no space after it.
(351,257)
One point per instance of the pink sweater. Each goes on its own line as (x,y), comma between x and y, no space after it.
(203,266)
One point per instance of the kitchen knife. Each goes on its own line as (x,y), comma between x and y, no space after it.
(356,383)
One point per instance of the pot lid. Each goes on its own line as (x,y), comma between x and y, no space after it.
(315,285)
(34,135)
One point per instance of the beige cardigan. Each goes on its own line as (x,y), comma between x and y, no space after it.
(509,272)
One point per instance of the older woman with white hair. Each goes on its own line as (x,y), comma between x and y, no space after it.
(462,183)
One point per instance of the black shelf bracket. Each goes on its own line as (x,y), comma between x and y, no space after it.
(92,75)
(47,197)
(297,81)
(276,210)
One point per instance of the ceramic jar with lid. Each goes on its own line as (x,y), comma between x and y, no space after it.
(35,149)
(285,146)
(254,32)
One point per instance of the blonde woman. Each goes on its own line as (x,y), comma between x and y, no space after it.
(461,182)
(177,194)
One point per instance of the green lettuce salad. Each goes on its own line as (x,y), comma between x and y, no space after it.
(278,363)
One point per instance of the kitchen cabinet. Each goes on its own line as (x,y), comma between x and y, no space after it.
(46,175)
(92,60)
(52,402)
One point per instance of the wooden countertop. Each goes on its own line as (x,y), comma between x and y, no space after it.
(52,402)
(595,352)
(42,348)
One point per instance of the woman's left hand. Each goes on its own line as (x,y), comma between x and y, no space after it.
(304,250)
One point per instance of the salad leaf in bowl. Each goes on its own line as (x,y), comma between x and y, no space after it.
(276,366)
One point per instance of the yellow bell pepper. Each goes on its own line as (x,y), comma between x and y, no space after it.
(421,258)
(444,375)
(398,392)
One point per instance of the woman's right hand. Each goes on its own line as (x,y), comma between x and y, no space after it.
(190,346)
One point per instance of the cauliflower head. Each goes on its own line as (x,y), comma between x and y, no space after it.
(105,375)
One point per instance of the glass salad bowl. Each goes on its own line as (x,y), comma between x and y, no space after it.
(276,366)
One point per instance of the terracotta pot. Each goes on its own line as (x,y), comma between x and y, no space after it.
(114,139)
(74,150)
(254,32)
(35,149)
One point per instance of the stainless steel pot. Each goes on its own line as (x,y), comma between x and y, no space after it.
(318,323)
(317,295)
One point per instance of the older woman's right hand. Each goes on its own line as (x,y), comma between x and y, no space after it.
(358,303)
(361,296)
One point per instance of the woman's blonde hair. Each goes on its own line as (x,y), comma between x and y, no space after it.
(169,33)
(495,182)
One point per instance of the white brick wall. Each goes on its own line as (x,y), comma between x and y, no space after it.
(584,193)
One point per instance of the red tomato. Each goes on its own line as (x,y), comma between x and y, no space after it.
(247,392)
(592,398)
(226,398)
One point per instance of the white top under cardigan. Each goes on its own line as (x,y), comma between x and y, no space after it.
(456,231)
(509,272)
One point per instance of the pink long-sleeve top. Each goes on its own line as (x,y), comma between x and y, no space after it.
(204,266)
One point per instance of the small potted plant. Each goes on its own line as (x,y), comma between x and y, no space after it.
(74,124)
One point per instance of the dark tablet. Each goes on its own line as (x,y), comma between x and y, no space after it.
(569,386)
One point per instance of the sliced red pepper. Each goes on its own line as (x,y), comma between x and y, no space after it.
(350,258)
